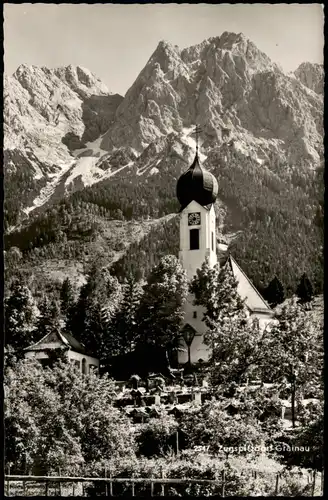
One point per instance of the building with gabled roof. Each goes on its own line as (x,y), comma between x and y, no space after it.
(57,341)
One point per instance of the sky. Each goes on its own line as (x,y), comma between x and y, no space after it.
(115,41)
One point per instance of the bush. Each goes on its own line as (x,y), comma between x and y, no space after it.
(222,434)
(157,437)
(56,418)
(304,446)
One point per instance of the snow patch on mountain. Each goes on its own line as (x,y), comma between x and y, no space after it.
(128,165)
(86,169)
(93,148)
(154,171)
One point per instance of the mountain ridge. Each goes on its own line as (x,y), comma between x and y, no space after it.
(67,137)
(238,89)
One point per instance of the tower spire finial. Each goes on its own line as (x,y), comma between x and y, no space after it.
(196,131)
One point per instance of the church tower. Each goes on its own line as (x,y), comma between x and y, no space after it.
(197,190)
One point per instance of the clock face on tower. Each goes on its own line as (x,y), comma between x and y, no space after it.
(194,219)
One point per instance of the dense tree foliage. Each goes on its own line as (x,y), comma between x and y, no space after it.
(312,431)
(89,318)
(235,347)
(67,296)
(158,436)
(292,351)
(223,434)
(122,329)
(141,256)
(216,290)
(233,339)
(55,418)
(21,186)
(48,321)
(160,314)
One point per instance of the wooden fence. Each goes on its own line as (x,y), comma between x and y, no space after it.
(77,485)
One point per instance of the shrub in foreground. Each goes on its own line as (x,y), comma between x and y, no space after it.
(157,437)
(55,418)
(222,433)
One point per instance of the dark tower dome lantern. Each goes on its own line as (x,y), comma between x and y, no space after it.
(197,184)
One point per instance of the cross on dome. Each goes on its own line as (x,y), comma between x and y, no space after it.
(196,131)
(197,183)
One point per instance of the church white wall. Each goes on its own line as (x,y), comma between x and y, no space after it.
(192,260)
(198,351)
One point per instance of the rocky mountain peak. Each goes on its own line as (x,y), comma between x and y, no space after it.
(167,56)
(311,75)
(225,81)
(228,39)
(241,99)
(167,46)
(52,111)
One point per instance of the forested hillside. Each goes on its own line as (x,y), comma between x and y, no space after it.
(279,218)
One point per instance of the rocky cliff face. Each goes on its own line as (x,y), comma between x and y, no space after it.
(312,76)
(72,132)
(52,111)
(49,113)
(230,89)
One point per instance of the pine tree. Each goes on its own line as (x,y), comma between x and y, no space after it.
(305,290)
(20,317)
(275,293)
(66,296)
(122,334)
(89,319)
(49,320)
(160,314)
(76,315)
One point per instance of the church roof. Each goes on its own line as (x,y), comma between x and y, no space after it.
(55,340)
(247,291)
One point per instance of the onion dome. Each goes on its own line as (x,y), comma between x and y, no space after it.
(197,184)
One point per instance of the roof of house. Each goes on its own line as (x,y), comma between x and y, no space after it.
(247,291)
(55,340)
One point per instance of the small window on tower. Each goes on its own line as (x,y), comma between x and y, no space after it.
(195,314)
(194,239)
(212,241)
